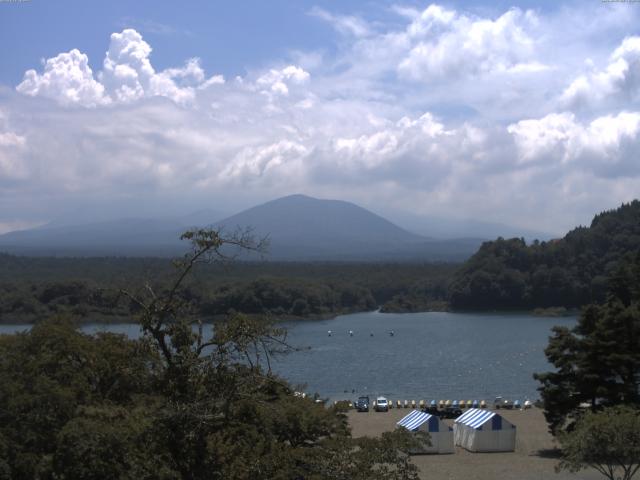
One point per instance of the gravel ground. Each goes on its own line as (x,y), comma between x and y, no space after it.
(534,458)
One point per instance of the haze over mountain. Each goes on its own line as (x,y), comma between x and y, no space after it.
(299,228)
(444,228)
(125,236)
(302,228)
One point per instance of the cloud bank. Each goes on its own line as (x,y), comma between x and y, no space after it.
(441,112)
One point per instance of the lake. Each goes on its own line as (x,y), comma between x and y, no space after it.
(433,355)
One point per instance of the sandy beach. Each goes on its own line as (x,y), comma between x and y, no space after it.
(534,458)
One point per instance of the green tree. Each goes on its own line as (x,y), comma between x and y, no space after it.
(608,441)
(227,415)
(175,404)
(48,374)
(598,361)
(568,272)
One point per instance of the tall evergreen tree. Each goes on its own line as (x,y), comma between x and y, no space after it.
(598,361)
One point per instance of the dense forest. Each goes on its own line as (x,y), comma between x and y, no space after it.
(568,272)
(32,288)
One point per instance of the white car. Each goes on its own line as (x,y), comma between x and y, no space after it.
(382,404)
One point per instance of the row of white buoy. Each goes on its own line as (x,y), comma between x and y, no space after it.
(330,333)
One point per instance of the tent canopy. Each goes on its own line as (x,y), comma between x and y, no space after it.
(476,418)
(440,435)
(415,419)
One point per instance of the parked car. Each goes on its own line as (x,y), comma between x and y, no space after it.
(432,408)
(382,405)
(362,404)
(500,402)
(450,412)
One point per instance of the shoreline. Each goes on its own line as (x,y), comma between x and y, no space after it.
(212,319)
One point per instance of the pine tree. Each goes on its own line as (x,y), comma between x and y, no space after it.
(598,361)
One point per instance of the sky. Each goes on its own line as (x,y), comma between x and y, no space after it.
(522,113)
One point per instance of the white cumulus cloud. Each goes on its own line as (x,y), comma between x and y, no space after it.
(278,81)
(127,75)
(279,161)
(445,43)
(607,145)
(619,80)
(66,78)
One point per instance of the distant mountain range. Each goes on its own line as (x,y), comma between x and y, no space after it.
(121,237)
(299,228)
(443,228)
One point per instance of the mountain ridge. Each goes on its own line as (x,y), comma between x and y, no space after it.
(300,228)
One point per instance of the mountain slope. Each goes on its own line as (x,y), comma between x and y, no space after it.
(305,228)
(299,228)
(127,237)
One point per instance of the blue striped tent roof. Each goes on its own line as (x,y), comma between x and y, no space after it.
(414,420)
(475,417)
(417,418)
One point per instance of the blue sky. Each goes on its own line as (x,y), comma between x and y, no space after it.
(526,114)
(229,37)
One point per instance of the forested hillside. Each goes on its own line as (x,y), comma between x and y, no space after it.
(33,288)
(568,272)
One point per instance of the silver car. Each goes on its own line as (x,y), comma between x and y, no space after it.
(382,404)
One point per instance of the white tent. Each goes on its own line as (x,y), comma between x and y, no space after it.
(484,431)
(441,435)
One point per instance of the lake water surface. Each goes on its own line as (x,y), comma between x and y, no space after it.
(430,356)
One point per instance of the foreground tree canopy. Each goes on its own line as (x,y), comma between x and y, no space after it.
(598,361)
(608,441)
(174,404)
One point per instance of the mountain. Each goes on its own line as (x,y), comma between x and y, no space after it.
(443,228)
(299,228)
(120,237)
(567,272)
(305,228)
